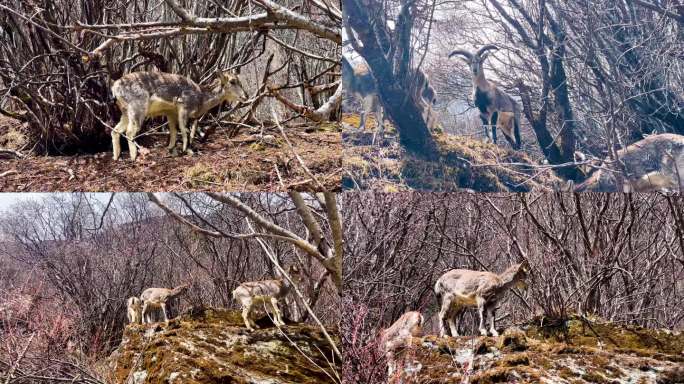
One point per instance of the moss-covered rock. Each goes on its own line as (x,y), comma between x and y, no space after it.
(462,163)
(213,346)
(571,353)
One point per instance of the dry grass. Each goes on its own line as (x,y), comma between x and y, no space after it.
(464,163)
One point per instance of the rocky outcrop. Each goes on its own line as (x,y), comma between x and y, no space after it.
(573,351)
(462,163)
(213,346)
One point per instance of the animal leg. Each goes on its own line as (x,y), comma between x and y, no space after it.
(276,313)
(182,124)
(485,125)
(391,365)
(429,120)
(172,131)
(135,121)
(494,117)
(507,123)
(245,316)
(163,307)
(655,180)
(481,312)
(366,106)
(116,135)
(193,130)
(443,313)
(145,313)
(490,313)
(452,323)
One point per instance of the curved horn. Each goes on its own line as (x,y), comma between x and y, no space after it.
(461,52)
(486,48)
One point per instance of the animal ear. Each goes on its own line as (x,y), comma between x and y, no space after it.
(524,266)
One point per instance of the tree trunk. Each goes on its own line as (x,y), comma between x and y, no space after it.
(404,112)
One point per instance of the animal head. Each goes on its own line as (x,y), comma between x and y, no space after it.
(134,302)
(520,274)
(181,289)
(231,86)
(475,59)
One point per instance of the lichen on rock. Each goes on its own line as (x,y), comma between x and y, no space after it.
(574,351)
(213,346)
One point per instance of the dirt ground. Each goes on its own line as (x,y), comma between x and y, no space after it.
(245,162)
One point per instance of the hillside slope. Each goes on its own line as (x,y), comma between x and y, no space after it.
(213,346)
(575,351)
(464,163)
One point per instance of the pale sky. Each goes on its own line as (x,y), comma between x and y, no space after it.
(7,199)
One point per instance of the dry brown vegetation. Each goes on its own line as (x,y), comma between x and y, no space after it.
(59,58)
(587,78)
(464,163)
(69,262)
(244,162)
(603,256)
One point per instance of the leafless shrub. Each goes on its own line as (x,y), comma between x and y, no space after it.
(79,257)
(618,256)
(58,58)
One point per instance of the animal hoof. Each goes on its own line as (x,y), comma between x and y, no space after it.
(494,333)
(483,332)
(189,152)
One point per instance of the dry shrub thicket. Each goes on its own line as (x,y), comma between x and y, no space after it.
(57,59)
(617,256)
(67,270)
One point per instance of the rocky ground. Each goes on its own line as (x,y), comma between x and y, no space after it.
(247,161)
(465,163)
(575,351)
(212,346)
